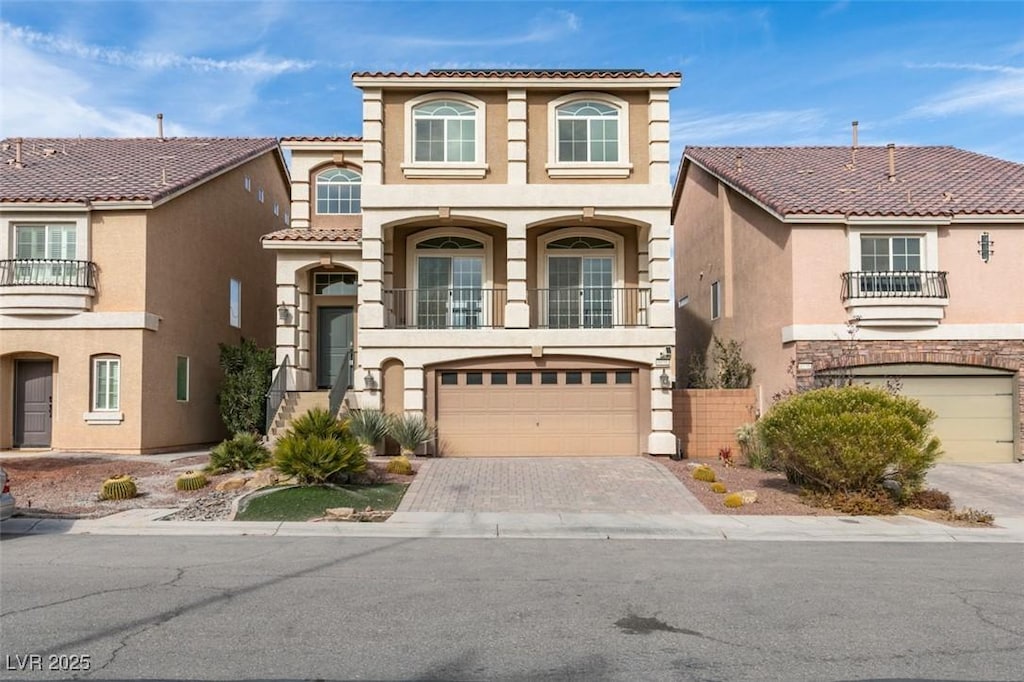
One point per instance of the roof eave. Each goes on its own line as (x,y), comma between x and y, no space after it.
(322,145)
(499,82)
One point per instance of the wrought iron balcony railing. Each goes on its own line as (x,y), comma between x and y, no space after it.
(589,307)
(896,284)
(453,308)
(47,272)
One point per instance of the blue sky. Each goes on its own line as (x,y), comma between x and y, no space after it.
(753,72)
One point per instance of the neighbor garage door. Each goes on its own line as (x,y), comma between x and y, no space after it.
(975,408)
(537,412)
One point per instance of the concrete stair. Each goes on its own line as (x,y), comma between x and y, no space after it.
(296,403)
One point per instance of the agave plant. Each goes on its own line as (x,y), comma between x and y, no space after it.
(410,430)
(369,427)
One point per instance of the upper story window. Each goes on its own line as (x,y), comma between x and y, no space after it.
(45,241)
(445,136)
(587,132)
(235,303)
(588,136)
(890,253)
(106,383)
(444,131)
(716,300)
(338,191)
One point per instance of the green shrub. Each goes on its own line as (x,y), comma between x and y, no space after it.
(728,368)
(410,430)
(969,515)
(242,397)
(317,422)
(368,427)
(851,439)
(754,449)
(704,473)
(313,459)
(242,451)
(859,503)
(930,499)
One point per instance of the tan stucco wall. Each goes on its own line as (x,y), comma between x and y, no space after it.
(537,142)
(821,253)
(200,241)
(119,251)
(757,286)
(496,136)
(71,351)
(980,292)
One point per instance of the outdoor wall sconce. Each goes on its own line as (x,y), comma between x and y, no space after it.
(369,381)
(666,380)
(283,314)
(985,244)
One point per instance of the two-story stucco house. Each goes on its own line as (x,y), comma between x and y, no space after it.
(896,265)
(123,263)
(494,253)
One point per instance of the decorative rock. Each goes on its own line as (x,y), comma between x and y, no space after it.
(693,465)
(264,478)
(349,514)
(748,496)
(339,513)
(235,483)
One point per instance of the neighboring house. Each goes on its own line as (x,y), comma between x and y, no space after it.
(123,263)
(895,265)
(493,252)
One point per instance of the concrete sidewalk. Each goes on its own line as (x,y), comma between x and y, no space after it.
(596,526)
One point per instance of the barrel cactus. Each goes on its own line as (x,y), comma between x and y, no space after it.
(704,473)
(120,487)
(733,500)
(191,480)
(719,488)
(400,465)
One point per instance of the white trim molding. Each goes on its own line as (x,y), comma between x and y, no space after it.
(945,332)
(103,417)
(84,321)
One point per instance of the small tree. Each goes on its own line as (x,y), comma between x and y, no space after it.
(728,368)
(247,369)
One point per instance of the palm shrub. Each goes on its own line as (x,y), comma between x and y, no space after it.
(851,439)
(369,427)
(241,451)
(313,460)
(318,447)
(410,430)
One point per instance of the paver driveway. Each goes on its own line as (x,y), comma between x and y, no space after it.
(996,488)
(548,484)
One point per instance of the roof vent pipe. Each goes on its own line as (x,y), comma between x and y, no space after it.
(17,153)
(160,126)
(739,162)
(892,161)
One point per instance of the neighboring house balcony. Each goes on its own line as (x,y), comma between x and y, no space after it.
(908,298)
(478,308)
(46,286)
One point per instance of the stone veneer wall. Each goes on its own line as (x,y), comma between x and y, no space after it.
(1005,354)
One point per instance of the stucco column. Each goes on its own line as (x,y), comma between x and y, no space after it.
(371,284)
(415,395)
(517,310)
(658,136)
(661,440)
(659,251)
(517,136)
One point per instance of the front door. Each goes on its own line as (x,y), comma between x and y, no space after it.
(334,340)
(33,403)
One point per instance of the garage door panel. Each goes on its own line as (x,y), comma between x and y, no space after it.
(538,419)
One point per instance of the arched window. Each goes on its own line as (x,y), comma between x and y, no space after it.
(444,131)
(338,191)
(588,132)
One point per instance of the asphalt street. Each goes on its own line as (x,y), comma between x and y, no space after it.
(424,609)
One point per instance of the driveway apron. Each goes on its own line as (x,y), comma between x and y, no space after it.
(548,484)
(995,488)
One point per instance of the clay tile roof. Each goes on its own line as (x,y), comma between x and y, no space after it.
(117,169)
(620,74)
(324,138)
(305,234)
(929,181)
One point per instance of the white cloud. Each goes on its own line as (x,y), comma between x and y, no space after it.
(1002,93)
(546,27)
(157,61)
(738,128)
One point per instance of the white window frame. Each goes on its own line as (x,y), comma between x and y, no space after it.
(716,300)
(188,378)
(618,255)
(247,183)
(349,182)
(929,236)
(433,169)
(486,255)
(235,303)
(94,401)
(261,195)
(600,169)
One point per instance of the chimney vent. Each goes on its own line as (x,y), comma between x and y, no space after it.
(854,125)
(17,153)
(739,162)
(892,161)
(160,126)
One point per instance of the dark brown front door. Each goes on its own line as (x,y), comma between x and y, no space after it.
(33,403)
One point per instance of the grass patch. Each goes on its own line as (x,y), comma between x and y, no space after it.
(302,504)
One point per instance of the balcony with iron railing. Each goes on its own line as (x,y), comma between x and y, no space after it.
(589,307)
(453,308)
(903,298)
(46,285)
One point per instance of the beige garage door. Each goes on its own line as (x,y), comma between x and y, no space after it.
(975,411)
(520,413)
